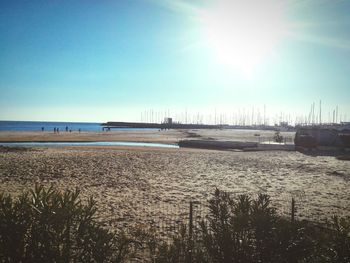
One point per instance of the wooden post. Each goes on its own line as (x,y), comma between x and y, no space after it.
(293,211)
(190,234)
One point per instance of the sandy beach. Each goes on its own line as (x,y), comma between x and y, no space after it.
(171,136)
(168,136)
(142,185)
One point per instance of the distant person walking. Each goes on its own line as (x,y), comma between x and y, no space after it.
(79,130)
(54,130)
(42,129)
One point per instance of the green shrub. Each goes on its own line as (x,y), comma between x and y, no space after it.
(340,240)
(250,231)
(45,225)
(277,137)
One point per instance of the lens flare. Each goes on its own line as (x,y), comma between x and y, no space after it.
(243,33)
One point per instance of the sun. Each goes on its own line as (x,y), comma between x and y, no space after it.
(242,33)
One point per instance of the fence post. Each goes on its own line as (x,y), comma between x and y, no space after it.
(293,210)
(190,234)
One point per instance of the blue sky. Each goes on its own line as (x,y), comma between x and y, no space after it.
(117,60)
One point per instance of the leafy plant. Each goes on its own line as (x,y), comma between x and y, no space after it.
(278,137)
(248,230)
(45,225)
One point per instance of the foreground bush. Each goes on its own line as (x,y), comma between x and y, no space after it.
(45,225)
(249,230)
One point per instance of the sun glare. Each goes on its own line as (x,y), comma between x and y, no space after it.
(243,33)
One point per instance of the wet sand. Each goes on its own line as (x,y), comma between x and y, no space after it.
(143,185)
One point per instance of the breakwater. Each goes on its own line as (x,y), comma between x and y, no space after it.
(146,125)
(113,125)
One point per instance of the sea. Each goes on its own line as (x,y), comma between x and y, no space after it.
(50,125)
(74,126)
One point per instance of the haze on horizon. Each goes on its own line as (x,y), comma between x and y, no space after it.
(117,60)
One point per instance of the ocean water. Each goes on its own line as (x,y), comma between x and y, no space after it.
(48,126)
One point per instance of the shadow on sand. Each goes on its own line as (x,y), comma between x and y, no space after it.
(340,153)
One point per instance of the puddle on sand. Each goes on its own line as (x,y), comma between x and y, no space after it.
(50,144)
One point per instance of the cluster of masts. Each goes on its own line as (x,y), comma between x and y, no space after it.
(244,117)
(240,117)
(317,117)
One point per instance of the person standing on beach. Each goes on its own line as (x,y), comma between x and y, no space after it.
(54,130)
(42,129)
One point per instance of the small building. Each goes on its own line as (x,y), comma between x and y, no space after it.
(168,120)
